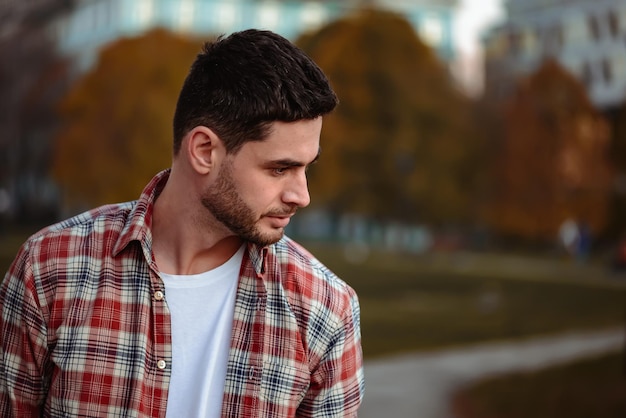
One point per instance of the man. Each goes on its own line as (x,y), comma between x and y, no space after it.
(190,302)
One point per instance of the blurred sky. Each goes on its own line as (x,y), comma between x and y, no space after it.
(473,18)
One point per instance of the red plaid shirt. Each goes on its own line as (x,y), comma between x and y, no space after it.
(85,327)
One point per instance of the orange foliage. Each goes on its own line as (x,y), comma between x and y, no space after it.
(400,143)
(117,119)
(554,163)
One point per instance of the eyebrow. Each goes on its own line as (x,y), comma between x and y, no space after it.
(293,163)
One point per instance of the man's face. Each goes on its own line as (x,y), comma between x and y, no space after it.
(261,186)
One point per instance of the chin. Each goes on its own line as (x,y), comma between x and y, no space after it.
(264,238)
(273,238)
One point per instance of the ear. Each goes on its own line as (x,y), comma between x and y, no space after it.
(203,149)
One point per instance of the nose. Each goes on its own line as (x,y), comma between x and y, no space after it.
(297,192)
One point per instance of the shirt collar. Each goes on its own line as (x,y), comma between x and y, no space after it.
(139,223)
(258,256)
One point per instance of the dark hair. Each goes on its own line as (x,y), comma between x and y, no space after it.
(238,85)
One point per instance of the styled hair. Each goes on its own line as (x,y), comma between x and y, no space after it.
(238,85)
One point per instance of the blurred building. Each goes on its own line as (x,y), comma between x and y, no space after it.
(93,23)
(588,37)
(31,79)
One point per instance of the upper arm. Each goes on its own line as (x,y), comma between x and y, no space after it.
(337,383)
(23,341)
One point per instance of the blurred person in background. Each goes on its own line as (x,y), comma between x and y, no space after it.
(190,301)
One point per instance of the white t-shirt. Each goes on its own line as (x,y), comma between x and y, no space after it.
(201,307)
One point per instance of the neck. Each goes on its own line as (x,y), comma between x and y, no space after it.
(186,239)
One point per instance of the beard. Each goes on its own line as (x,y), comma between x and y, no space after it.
(227,206)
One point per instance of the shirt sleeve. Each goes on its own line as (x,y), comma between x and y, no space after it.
(23,342)
(337,384)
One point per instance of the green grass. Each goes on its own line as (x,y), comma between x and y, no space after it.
(407,305)
(415,303)
(591,388)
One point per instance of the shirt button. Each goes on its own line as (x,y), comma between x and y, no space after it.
(161,364)
(158,295)
(251,373)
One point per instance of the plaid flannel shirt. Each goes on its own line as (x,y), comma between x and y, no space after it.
(85,327)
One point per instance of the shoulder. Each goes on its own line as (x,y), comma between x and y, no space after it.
(308,280)
(325,308)
(67,248)
(110,217)
(92,231)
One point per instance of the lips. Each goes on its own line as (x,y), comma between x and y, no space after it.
(279,221)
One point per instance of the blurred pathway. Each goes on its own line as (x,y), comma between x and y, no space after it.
(420,385)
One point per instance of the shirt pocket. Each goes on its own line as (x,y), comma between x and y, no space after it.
(283,385)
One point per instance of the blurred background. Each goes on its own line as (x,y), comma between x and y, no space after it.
(472,185)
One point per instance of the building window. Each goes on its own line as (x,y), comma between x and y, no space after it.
(594,27)
(531,43)
(515,42)
(559,37)
(552,40)
(614,23)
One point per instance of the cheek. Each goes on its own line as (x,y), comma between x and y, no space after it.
(256,187)
(259,194)
(266,198)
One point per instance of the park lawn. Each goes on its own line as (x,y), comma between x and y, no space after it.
(407,307)
(594,387)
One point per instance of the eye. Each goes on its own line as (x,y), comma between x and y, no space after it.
(279,171)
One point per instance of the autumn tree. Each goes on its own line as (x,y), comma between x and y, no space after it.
(118,119)
(553,162)
(400,145)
